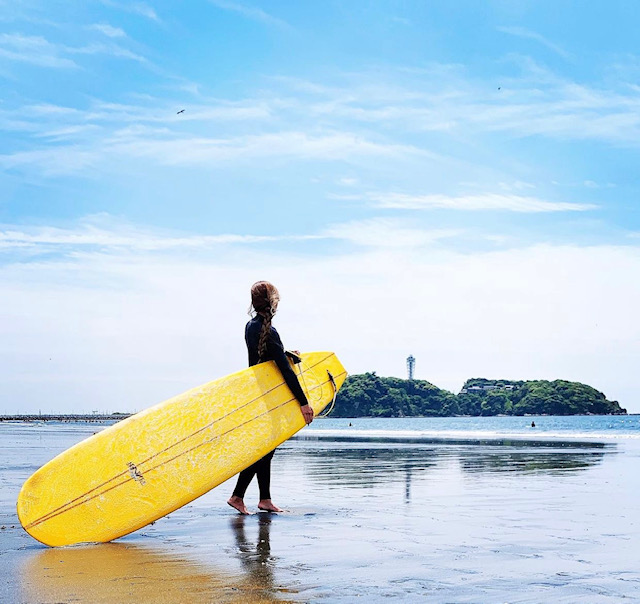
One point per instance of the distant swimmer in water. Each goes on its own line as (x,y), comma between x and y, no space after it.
(533,424)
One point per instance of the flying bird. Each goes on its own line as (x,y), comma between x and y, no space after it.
(181,111)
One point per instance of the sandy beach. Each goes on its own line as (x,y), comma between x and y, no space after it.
(440,520)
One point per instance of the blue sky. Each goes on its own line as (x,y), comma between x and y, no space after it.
(455,180)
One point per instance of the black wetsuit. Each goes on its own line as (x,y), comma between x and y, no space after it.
(275,352)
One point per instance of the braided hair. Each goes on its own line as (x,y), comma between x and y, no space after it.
(264,301)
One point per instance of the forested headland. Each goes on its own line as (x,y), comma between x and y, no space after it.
(369,395)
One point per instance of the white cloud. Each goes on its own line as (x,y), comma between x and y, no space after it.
(145,10)
(66,133)
(138,8)
(161,146)
(387,233)
(517,185)
(250,12)
(487,201)
(35,50)
(347,181)
(39,51)
(109,30)
(591,184)
(537,102)
(47,109)
(124,331)
(107,49)
(203,151)
(370,115)
(522,32)
(104,233)
(55,161)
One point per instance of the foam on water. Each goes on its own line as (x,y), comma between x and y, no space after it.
(467,434)
(472,428)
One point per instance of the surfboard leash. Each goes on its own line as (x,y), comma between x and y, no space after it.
(302,371)
(335,394)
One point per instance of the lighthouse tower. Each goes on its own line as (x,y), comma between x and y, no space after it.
(411,364)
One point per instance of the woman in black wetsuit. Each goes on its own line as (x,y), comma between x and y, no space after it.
(264,344)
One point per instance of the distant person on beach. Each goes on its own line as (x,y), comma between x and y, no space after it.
(533,424)
(264,344)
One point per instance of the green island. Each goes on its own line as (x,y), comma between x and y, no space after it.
(369,395)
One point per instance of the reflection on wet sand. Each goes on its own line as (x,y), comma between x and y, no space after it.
(365,464)
(118,572)
(255,554)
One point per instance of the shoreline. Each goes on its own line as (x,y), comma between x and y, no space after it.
(99,418)
(68,418)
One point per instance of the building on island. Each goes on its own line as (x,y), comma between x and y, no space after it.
(411,364)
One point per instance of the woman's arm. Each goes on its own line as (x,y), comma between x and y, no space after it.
(277,353)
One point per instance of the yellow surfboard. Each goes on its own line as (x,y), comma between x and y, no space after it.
(160,459)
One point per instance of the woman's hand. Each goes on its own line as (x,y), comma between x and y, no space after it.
(307,413)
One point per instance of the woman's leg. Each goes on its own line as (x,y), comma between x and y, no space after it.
(263,472)
(264,482)
(244,478)
(262,468)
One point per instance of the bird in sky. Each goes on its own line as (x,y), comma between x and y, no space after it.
(181,111)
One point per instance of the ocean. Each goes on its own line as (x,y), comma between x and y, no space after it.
(415,509)
(604,427)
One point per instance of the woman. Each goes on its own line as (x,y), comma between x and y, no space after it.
(264,344)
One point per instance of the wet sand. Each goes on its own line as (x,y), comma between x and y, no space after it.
(439,520)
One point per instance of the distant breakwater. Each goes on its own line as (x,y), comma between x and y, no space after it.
(89,418)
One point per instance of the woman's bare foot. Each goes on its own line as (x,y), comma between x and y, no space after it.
(238,504)
(266,505)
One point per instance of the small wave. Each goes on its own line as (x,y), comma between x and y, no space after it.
(469,434)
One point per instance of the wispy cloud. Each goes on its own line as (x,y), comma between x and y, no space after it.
(103,233)
(54,161)
(537,102)
(113,50)
(486,201)
(147,321)
(109,115)
(35,50)
(39,51)
(165,148)
(295,145)
(369,115)
(387,233)
(109,30)
(522,32)
(145,10)
(137,8)
(251,12)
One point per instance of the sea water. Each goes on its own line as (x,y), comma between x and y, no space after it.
(626,427)
(486,509)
